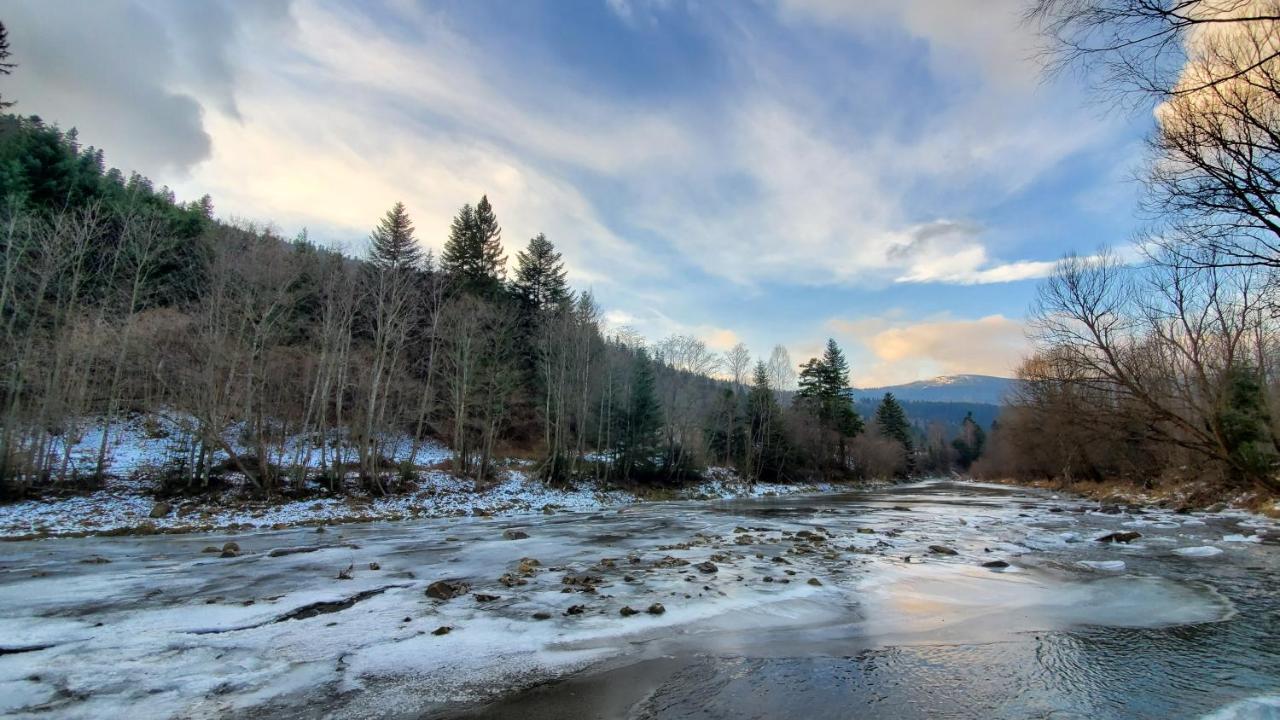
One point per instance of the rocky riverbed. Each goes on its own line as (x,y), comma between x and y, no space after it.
(938,599)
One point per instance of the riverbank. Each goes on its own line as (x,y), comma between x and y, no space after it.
(1183,496)
(127,507)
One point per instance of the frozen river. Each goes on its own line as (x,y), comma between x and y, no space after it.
(876,604)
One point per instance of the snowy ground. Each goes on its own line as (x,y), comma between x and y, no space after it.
(342,623)
(136,453)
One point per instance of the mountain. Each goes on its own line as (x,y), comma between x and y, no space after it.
(984,389)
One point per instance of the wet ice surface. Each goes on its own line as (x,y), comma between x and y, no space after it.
(1155,628)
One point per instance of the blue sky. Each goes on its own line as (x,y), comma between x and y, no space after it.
(892,173)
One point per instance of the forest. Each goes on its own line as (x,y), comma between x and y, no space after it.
(289,365)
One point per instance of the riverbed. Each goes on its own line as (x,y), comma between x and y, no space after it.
(938,599)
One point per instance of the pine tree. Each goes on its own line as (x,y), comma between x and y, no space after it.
(540,275)
(1244,423)
(473,252)
(392,245)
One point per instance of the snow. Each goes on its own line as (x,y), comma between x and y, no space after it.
(1105,565)
(163,629)
(1201,551)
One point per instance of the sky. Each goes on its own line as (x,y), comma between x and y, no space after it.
(894,174)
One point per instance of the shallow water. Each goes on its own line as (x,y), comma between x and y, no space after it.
(1071,628)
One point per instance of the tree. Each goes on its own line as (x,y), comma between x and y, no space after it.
(540,275)
(769,448)
(6,67)
(473,252)
(641,422)
(392,245)
(969,444)
(824,393)
(1212,70)
(737,360)
(893,424)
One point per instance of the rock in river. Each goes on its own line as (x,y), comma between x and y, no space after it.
(707,567)
(1120,537)
(941,550)
(513,534)
(447,589)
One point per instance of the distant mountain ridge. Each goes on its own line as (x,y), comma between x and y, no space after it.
(986,389)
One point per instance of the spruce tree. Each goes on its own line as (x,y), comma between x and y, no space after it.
(473,252)
(894,425)
(770,448)
(642,421)
(392,245)
(540,275)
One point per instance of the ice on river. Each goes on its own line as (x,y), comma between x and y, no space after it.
(157,627)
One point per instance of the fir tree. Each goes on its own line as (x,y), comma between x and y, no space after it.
(392,245)
(824,392)
(540,275)
(1244,424)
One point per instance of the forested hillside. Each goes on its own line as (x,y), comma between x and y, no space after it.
(280,363)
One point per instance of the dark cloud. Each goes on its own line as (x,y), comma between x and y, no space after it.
(922,237)
(133,78)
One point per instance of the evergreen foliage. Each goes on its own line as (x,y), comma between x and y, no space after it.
(540,276)
(392,245)
(473,253)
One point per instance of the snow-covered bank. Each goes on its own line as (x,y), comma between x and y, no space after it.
(140,447)
(438,494)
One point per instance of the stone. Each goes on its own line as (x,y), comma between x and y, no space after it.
(512,580)
(707,567)
(374,566)
(233,547)
(941,550)
(628,611)
(542,615)
(513,534)
(447,589)
(866,531)
(815,581)
(656,609)
(995,564)
(229,553)
(481,597)
(1120,537)
(161,509)
(576,610)
(442,630)
(211,549)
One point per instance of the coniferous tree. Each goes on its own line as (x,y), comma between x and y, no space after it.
(6,67)
(540,275)
(473,252)
(894,425)
(824,393)
(770,449)
(392,245)
(638,438)
(970,443)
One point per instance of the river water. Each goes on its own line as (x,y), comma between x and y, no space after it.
(830,606)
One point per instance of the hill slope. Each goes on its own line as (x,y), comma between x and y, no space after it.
(985,389)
